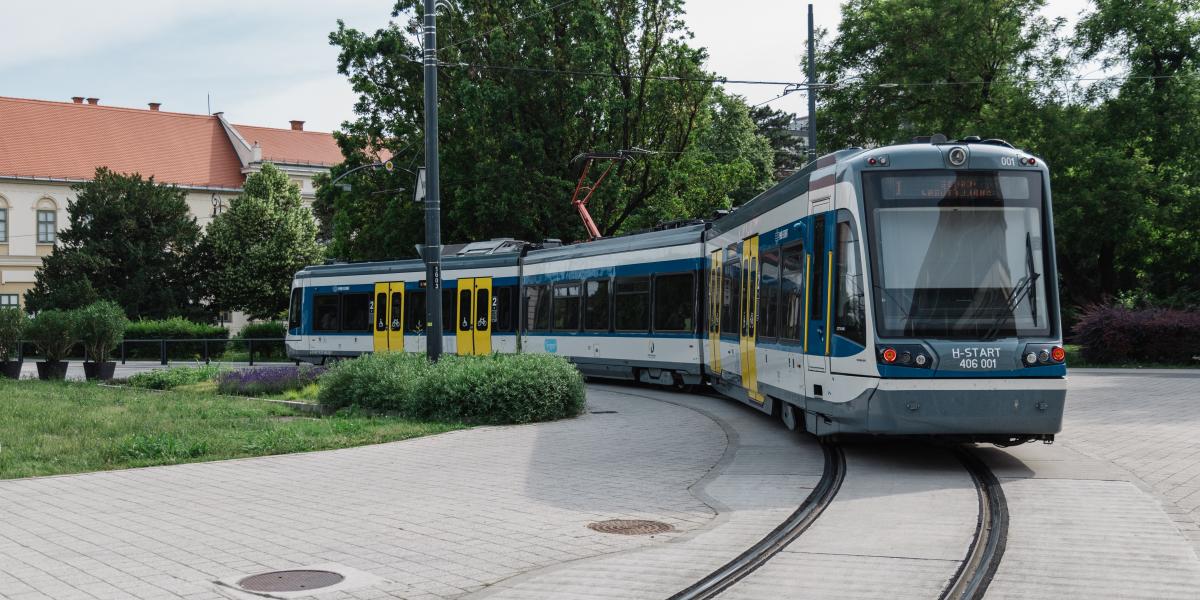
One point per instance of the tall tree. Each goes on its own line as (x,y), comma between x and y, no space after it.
(900,68)
(776,127)
(128,240)
(258,244)
(527,86)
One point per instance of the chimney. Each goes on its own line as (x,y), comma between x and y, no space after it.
(93,101)
(77,99)
(297,125)
(154,106)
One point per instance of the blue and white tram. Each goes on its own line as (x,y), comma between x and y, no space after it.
(905,290)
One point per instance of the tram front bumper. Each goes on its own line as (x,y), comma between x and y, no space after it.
(953,407)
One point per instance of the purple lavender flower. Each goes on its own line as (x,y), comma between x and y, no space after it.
(267,380)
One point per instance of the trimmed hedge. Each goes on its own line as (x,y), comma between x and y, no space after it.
(262,350)
(496,389)
(1117,335)
(176,328)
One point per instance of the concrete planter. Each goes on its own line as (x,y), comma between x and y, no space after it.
(11,369)
(94,371)
(52,371)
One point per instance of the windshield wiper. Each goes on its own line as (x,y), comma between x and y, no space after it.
(1023,289)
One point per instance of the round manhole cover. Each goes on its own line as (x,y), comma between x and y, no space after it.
(630,527)
(290,581)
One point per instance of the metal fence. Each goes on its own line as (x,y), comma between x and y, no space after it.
(205,349)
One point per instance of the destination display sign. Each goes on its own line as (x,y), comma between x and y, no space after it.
(967,186)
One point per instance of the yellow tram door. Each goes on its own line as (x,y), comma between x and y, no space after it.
(748,331)
(389,310)
(396,317)
(714,312)
(465,328)
(485,313)
(474,329)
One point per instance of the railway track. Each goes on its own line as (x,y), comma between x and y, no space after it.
(991,534)
(822,495)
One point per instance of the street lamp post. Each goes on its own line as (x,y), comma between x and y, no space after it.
(433,218)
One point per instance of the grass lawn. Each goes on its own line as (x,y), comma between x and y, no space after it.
(1075,359)
(55,428)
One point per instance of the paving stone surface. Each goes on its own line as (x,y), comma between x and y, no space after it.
(1147,423)
(436,517)
(766,474)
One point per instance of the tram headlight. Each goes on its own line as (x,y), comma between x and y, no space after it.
(1031,358)
(921,360)
(889,355)
(1044,356)
(1058,354)
(957,156)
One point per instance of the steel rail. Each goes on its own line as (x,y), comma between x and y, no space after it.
(973,576)
(757,555)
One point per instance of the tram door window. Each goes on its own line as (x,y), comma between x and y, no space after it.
(819,263)
(716,275)
(749,318)
(474,330)
(850,313)
(791,293)
(388,310)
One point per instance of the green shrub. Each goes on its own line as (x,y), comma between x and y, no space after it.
(521,388)
(13,323)
(100,326)
(166,379)
(263,350)
(176,328)
(53,332)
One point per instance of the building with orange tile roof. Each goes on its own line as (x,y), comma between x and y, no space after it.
(46,147)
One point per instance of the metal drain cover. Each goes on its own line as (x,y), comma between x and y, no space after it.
(290,581)
(630,527)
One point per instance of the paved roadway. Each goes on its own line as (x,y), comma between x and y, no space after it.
(1109,510)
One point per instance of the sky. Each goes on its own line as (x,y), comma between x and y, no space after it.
(265,62)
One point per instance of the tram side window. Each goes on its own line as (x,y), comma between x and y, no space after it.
(414,312)
(791,293)
(731,290)
(632,304)
(537,308)
(674,302)
(448,311)
(817,301)
(296,306)
(502,309)
(596,311)
(397,306)
(768,295)
(566,306)
(850,315)
(325,312)
(356,312)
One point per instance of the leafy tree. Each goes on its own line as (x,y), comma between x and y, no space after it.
(776,126)
(512,118)
(258,244)
(128,240)
(901,68)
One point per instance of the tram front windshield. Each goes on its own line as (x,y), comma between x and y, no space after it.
(957,255)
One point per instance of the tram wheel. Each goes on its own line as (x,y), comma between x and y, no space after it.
(787,414)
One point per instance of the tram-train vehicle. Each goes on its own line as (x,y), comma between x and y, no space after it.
(907,290)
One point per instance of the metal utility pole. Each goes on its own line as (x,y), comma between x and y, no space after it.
(812,88)
(433,204)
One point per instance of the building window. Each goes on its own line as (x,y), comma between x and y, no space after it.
(47,226)
(9,300)
(3,225)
